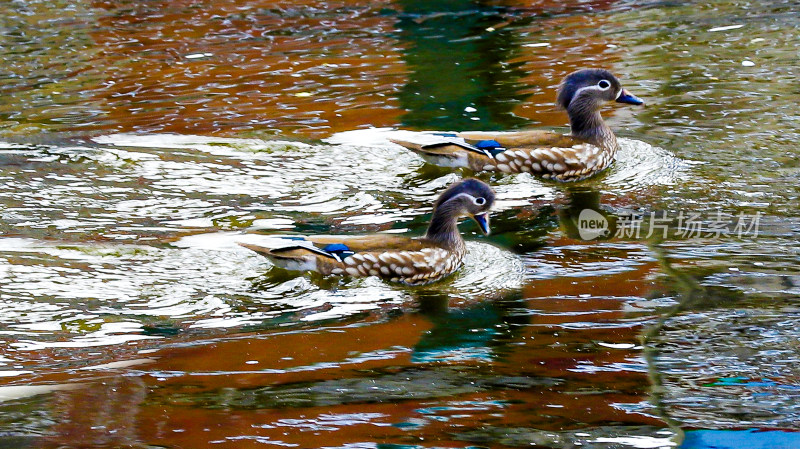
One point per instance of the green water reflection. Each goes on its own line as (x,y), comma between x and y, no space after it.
(463,65)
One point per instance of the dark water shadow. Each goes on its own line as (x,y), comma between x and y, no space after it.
(479,332)
(584,217)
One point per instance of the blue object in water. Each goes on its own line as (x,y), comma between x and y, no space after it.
(740,439)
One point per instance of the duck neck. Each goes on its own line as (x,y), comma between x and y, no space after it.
(588,125)
(443,229)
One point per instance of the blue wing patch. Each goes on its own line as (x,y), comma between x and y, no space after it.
(336,247)
(338,250)
(488,144)
(492,146)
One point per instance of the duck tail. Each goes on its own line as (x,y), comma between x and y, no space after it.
(263,250)
(444,154)
(295,257)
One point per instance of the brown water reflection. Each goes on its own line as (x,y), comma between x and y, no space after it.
(559,360)
(439,371)
(222,67)
(304,69)
(118,329)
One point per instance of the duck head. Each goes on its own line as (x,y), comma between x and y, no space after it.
(590,88)
(471,198)
(583,93)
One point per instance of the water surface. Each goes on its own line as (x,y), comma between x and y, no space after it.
(140,141)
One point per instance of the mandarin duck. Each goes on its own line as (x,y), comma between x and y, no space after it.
(410,261)
(589,149)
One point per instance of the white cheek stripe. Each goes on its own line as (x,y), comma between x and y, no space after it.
(580,91)
(472,198)
(618,94)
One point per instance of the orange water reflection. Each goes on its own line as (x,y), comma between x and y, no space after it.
(561,362)
(559,355)
(310,69)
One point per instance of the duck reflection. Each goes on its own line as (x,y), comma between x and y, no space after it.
(475,333)
(523,230)
(584,218)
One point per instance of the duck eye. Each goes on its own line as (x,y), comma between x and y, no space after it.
(603,84)
(479,201)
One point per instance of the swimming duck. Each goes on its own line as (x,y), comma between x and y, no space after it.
(411,261)
(589,149)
